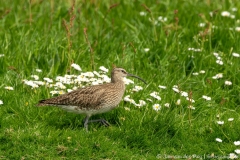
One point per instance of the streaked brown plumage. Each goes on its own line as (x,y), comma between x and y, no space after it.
(93,99)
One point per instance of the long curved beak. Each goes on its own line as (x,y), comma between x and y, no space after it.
(131,75)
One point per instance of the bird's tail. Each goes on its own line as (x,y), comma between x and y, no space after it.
(41,103)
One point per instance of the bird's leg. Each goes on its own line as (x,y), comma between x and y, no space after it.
(103,121)
(86,121)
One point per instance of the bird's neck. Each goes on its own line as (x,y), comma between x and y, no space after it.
(120,85)
(117,80)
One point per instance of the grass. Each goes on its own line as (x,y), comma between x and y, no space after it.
(51,35)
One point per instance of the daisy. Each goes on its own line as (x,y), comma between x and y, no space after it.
(137,88)
(156,107)
(81,78)
(60,85)
(197,50)
(76,66)
(162,87)
(9,88)
(195,73)
(61,92)
(236,143)
(167,105)
(228,83)
(143,13)
(95,83)
(102,68)
(218,76)
(201,24)
(160,18)
(237,151)
(30,83)
(232,16)
(99,81)
(60,78)
(191,107)
(133,102)
(211,14)
(88,74)
(142,103)
(235,55)
(163,19)
(127,109)
(225,14)
(69,76)
(69,90)
(38,70)
(48,80)
(216,54)
(184,94)
(96,73)
(206,98)
(148,99)
(220,122)
(219,62)
(175,89)
(40,83)
(155,95)
(191,100)
(35,77)
(146,49)
(93,79)
(202,71)
(127,98)
(178,102)
(237,29)
(127,81)
(53,92)
(106,78)
(218,140)
(75,88)
(233,156)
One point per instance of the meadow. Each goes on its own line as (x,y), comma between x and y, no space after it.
(188,52)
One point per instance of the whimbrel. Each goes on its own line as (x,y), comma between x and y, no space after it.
(94,99)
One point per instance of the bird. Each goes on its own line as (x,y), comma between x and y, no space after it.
(95,99)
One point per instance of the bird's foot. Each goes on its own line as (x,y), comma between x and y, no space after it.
(102,121)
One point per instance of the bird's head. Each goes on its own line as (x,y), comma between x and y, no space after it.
(120,73)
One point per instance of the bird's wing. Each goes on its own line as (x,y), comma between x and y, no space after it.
(89,97)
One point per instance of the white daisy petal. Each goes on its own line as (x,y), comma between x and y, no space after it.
(76,66)
(218,140)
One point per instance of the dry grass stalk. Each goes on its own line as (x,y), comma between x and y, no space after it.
(91,49)
(68,26)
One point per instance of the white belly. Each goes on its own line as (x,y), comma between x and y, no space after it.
(75,109)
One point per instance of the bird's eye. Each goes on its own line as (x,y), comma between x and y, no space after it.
(123,71)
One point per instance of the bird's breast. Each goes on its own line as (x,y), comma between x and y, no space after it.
(113,99)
